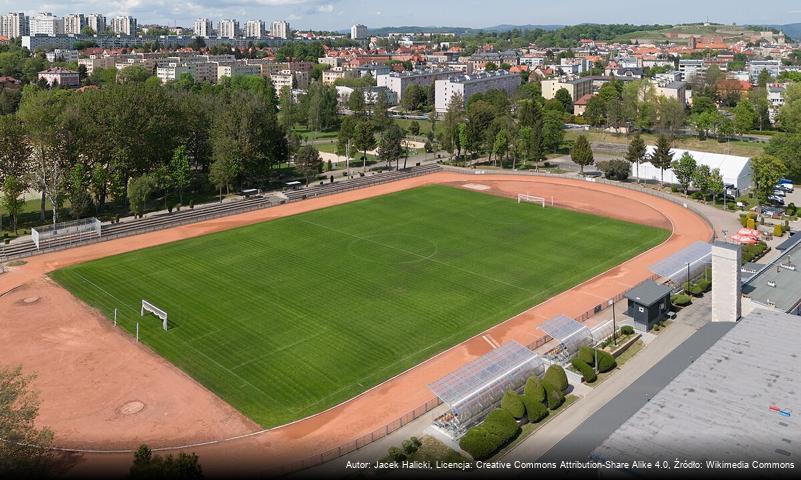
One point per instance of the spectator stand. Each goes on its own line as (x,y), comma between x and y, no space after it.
(686,264)
(474,389)
(570,335)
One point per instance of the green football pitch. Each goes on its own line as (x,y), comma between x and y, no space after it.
(286,318)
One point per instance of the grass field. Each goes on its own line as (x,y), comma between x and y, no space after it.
(286,318)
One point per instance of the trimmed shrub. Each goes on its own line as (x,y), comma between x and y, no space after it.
(627,330)
(586,355)
(408,447)
(703,284)
(476,442)
(534,390)
(416,442)
(606,361)
(750,223)
(778,231)
(536,411)
(396,454)
(587,372)
(554,396)
(191,204)
(490,435)
(556,376)
(513,403)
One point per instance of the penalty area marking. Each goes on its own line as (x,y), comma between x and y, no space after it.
(476,186)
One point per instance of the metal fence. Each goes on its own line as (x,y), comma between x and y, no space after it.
(362,441)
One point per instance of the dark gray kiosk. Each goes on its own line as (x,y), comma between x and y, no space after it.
(648,303)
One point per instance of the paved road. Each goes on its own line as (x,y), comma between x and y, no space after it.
(582,441)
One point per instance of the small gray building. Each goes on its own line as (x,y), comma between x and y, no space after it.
(648,303)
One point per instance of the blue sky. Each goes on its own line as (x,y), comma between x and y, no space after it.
(337,14)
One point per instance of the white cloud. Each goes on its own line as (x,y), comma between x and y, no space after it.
(327,8)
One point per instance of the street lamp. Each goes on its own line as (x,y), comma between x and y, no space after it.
(614,328)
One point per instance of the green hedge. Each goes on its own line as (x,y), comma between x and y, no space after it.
(627,330)
(681,300)
(586,355)
(606,361)
(554,396)
(513,403)
(556,376)
(535,411)
(498,429)
(587,372)
(534,390)
(703,284)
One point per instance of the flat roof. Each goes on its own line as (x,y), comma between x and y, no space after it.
(775,285)
(720,406)
(648,293)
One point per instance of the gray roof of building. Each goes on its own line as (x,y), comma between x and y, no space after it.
(719,407)
(648,293)
(775,285)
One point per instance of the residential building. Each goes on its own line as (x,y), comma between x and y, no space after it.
(468,85)
(480,60)
(95,62)
(74,23)
(255,29)
(374,70)
(203,28)
(577,87)
(124,25)
(280,29)
(46,24)
(756,67)
(14,25)
(61,55)
(671,89)
(580,105)
(775,99)
(96,22)
(227,28)
(371,95)
(200,71)
(331,61)
(690,69)
(398,82)
(331,75)
(358,32)
(236,68)
(60,77)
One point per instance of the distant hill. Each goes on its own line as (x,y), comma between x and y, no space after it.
(460,30)
(793,30)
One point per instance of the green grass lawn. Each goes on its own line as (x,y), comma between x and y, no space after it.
(286,318)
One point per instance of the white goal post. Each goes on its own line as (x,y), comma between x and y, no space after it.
(149,307)
(524,197)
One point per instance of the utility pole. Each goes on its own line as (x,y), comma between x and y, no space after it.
(347,158)
(614,327)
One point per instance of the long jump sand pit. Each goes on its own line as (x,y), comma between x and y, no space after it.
(89,372)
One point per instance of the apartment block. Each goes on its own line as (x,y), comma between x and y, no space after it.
(74,23)
(203,28)
(576,86)
(96,22)
(14,25)
(398,82)
(255,29)
(227,28)
(279,29)
(468,85)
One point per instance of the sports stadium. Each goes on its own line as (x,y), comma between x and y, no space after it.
(296,333)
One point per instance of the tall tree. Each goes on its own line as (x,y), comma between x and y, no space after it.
(662,157)
(702,179)
(390,147)
(564,98)
(364,139)
(12,188)
(552,131)
(768,170)
(24,451)
(685,169)
(715,184)
(450,125)
(308,162)
(180,171)
(581,153)
(637,153)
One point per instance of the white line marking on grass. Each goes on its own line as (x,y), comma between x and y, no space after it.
(277,350)
(417,255)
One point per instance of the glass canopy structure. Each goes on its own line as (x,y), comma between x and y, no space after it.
(475,388)
(692,259)
(570,334)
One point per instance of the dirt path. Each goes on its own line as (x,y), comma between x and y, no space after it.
(91,376)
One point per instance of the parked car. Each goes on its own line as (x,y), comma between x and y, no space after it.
(772,211)
(779,192)
(785,187)
(775,200)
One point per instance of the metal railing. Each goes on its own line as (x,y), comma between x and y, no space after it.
(111,231)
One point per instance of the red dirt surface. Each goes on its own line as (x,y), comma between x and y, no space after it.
(87,370)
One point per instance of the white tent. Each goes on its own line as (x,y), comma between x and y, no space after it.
(735,170)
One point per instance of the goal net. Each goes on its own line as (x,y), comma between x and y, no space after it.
(524,197)
(149,307)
